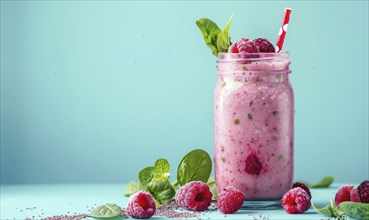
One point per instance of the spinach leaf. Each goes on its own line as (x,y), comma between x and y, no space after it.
(223,41)
(146,175)
(324,183)
(356,210)
(323,210)
(194,166)
(210,32)
(213,189)
(106,211)
(163,192)
(162,169)
(132,188)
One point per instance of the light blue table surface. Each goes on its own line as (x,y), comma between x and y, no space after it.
(40,201)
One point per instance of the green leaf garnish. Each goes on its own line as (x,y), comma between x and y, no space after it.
(330,210)
(210,32)
(106,211)
(133,187)
(194,166)
(213,189)
(146,175)
(223,41)
(356,210)
(163,192)
(323,210)
(162,170)
(324,183)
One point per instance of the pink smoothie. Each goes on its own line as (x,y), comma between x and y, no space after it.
(254,125)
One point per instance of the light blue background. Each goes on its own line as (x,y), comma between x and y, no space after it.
(94,91)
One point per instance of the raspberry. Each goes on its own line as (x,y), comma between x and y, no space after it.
(363,190)
(346,193)
(303,186)
(296,201)
(253,165)
(194,196)
(264,45)
(230,200)
(243,45)
(141,205)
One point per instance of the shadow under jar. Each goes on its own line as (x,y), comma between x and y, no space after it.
(254,124)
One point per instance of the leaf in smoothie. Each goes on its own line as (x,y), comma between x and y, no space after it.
(278,78)
(133,187)
(194,166)
(210,32)
(106,211)
(249,116)
(223,41)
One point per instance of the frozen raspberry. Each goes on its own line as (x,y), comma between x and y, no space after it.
(346,193)
(303,186)
(296,201)
(230,200)
(243,45)
(264,45)
(253,165)
(194,196)
(141,205)
(363,190)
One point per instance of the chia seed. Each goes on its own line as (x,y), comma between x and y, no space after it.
(173,210)
(66,217)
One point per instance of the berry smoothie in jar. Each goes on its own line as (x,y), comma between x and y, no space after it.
(254,124)
(253,114)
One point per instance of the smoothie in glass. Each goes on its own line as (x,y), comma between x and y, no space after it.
(254,124)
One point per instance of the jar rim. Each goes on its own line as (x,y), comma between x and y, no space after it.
(234,57)
(254,62)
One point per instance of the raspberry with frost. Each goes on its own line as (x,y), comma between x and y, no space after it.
(346,193)
(230,200)
(243,45)
(296,201)
(194,196)
(264,45)
(303,186)
(141,205)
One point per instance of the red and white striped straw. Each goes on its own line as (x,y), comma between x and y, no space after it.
(283,29)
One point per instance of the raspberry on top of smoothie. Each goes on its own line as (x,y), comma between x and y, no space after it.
(245,45)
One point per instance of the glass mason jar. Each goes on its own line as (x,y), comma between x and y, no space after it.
(254,124)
